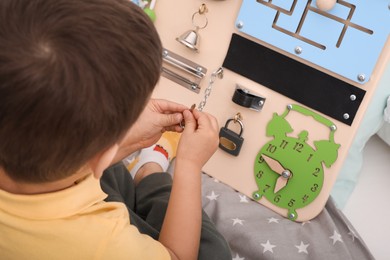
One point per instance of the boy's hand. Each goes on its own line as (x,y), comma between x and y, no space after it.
(199,139)
(158,116)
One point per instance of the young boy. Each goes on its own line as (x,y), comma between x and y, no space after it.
(75,83)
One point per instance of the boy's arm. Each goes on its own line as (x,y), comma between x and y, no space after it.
(180,232)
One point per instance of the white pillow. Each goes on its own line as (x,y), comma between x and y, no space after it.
(372,121)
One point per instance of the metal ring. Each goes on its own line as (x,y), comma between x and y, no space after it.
(241,124)
(193,22)
(237,117)
(203,9)
(238,120)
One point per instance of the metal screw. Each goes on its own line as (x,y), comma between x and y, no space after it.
(352,97)
(165,53)
(333,127)
(361,77)
(291,216)
(286,174)
(298,50)
(346,116)
(240,24)
(256,195)
(261,103)
(199,70)
(194,87)
(289,107)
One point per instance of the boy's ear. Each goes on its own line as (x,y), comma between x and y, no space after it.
(101,161)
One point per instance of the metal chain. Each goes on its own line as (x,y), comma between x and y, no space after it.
(218,73)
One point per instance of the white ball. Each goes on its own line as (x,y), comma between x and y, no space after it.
(325,5)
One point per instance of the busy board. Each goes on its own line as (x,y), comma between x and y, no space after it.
(289,82)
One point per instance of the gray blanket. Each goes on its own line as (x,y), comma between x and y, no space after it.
(255,232)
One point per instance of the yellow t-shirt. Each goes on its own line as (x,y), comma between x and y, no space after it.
(74,223)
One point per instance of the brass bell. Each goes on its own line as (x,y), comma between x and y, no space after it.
(190,39)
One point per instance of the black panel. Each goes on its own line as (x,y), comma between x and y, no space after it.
(293,79)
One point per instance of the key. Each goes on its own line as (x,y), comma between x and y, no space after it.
(182,123)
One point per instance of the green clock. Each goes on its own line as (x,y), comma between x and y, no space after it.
(289,172)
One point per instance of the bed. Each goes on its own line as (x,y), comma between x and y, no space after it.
(352,222)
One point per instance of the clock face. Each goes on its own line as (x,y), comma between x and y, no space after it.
(306,174)
(289,172)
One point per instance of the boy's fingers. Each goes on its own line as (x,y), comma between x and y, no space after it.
(214,123)
(205,119)
(173,128)
(167,120)
(190,121)
(169,106)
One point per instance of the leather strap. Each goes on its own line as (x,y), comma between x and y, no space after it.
(245,99)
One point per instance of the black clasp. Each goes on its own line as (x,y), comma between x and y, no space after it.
(246,99)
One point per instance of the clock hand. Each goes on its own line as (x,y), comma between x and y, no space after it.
(285,174)
(273,164)
(281,182)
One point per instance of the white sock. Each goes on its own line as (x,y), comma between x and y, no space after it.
(129,159)
(154,153)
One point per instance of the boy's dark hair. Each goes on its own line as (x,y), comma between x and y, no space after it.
(74,76)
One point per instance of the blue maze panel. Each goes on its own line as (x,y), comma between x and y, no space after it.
(346,40)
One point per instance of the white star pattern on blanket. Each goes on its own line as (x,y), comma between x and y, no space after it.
(273,220)
(243,198)
(336,237)
(237,221)
(212,196)
(302,248)
(237,257)
(268,247)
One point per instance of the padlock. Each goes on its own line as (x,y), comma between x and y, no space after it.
(230,141)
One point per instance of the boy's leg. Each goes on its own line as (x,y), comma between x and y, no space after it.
(147,196)
(118,184)
(147,204)
(152,196)
(119,180)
